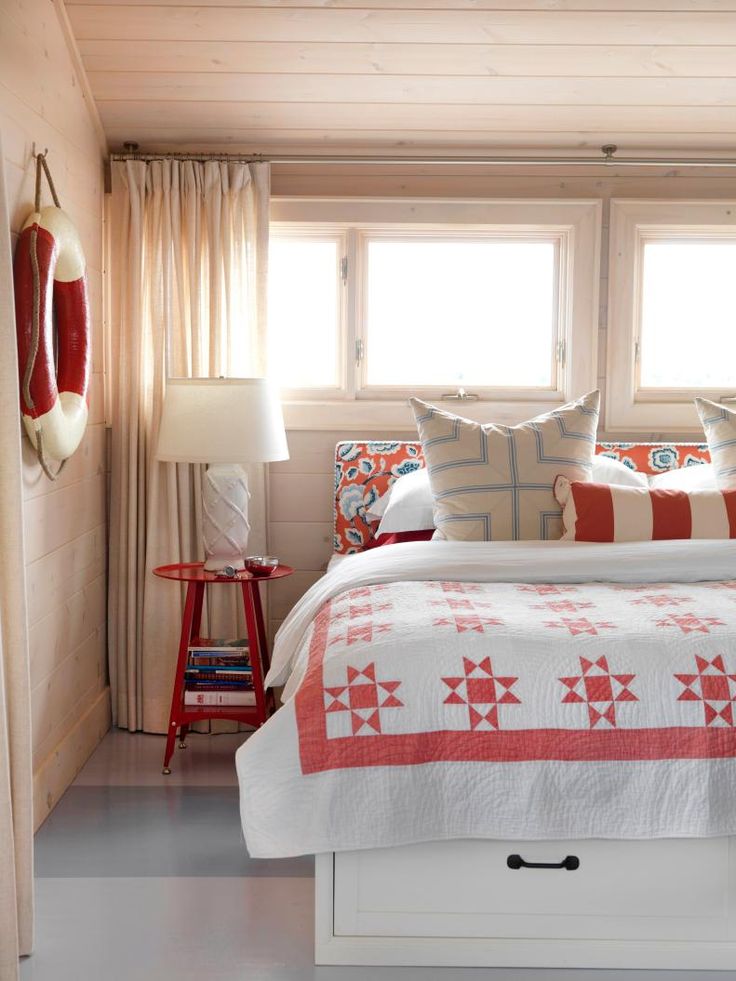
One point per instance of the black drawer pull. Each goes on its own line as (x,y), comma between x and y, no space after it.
(570,863)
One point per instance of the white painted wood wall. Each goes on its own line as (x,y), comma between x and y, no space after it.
(65,522)
(301,489)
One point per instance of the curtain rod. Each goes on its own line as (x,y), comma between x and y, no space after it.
(608,157)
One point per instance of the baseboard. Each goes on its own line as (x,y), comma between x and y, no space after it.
(61,766)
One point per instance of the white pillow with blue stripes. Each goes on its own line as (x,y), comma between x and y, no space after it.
(494,483)
(719,426)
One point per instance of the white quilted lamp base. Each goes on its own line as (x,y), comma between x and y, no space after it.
(225,524)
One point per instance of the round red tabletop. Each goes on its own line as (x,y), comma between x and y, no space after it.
(195,572)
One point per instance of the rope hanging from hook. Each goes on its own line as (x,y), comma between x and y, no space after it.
(42,166)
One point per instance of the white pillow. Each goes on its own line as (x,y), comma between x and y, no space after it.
(408,506)
(698,476)
(493,482)
(377,510)
(719,425)
(606,470)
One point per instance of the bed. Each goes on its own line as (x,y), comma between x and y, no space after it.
(507,753)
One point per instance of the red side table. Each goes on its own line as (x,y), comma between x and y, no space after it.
(182,716)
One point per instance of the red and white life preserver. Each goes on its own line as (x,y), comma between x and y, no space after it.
(58,405)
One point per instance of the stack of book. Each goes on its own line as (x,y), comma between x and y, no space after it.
(218,672)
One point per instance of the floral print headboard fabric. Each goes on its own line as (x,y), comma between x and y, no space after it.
(365,469)
(654,458)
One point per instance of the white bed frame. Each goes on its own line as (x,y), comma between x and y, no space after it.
(667,903)
(664,903)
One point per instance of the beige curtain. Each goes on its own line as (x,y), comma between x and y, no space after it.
(189,250)
(16,781)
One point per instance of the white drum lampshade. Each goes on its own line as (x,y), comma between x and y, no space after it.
(223,422)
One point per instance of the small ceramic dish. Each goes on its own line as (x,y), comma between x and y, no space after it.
(261,565)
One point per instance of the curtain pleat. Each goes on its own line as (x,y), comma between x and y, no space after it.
(189,267)
(16,775)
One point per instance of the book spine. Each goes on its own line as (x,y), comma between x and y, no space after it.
(196,675)
(212,679)
(218,660)
(219,698)
(219,685)
(235,652)
(208,645)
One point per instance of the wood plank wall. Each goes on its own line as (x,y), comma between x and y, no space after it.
(301,489)
(65,522)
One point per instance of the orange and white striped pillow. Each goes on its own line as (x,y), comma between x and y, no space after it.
(614,513)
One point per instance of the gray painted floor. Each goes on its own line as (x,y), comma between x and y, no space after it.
(141,877)
(152,831)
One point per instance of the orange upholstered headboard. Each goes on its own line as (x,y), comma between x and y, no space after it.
(365,469)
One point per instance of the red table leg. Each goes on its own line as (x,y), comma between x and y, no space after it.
(190,622)
(183,733)
(197,614)
(195,632)
(263,644)
(256,646)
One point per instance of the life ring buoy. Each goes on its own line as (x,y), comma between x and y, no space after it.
(49,262)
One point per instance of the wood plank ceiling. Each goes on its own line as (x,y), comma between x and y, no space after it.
(412,75)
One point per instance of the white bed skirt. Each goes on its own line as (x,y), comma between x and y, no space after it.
(667,904)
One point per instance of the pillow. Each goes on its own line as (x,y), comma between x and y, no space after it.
(408,504)
(698,476)
(494,483)
(609,513)
(719,425)
(606,470)
(376,510)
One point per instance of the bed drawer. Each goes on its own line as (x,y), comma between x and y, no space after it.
(668,889)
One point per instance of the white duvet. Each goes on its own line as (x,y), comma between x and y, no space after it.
(508,690)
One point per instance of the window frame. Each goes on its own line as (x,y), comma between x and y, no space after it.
(330,232)
(429,233)
(629,406)
(575,223)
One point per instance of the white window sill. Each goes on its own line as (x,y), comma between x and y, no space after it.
(363,416)
(649,416)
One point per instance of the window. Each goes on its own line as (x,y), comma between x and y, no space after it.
(688,314)
(454,311)
(672,322)
(372,301)
(304,309)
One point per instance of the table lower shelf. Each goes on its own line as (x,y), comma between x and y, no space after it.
(238,713)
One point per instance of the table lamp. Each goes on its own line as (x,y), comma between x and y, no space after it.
(223,422)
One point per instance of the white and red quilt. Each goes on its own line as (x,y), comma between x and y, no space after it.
(445,690)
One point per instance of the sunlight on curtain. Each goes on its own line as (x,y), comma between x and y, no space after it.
(189,248)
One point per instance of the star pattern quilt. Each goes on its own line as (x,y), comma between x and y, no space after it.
(412,673)
(440,706)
